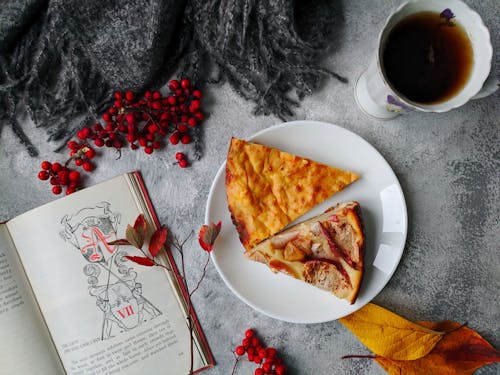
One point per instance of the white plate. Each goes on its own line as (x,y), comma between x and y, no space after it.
(383,207)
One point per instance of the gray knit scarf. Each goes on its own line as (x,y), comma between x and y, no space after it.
(61,60)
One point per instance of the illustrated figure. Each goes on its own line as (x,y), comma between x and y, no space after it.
(118,294)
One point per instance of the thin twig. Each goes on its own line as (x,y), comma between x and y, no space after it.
(201,278)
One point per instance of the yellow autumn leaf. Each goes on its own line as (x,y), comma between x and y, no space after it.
(389,335)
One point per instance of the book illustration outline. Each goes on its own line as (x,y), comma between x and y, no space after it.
(111,282)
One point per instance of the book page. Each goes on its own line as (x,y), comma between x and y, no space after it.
(25,344)
(105,314)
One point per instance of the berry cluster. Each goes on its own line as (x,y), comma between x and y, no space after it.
(145,122)
(142,122)
(59,176)
(267,358)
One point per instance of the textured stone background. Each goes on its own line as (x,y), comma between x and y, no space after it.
(448,165)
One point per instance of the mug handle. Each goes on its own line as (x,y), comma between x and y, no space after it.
(489,87)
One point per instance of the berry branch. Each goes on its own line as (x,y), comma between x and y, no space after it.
(160,242)
(140,122)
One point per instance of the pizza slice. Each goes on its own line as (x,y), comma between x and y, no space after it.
(326,251)
(268,188)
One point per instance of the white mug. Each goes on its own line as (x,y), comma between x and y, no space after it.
(374,93)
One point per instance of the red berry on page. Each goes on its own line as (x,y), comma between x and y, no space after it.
(271,352)
(251,350)
(192,122)
(250,357)
(56,189)
(99,142)
(182,128)
(109,127)
(156,95)
(56,167)
(118,95)
(259,371)
(186,139)
(90,153)
(178,92)
(74,176)
(54,181)
(267,367)
(156,105)
(183,163)
(185,83)
(240,350)
(106,117)
(257,359)
(174,138)
(255,341)
(88,166)
(129,95)
(112,136)
(131,138)
(246,342)
(197,94)
(83,133)
(148,95)
(43,175)
(130,118)
(179,156)
(249,333)
(148,150)
(78,162)
(46,165)
(174,85)
(118,103)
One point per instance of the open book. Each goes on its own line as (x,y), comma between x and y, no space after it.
(70,303)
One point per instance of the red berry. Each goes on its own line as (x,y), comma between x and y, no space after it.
(99,142)
(186,139)
(133,146)
(130,118)
(191,122)
(109,127)
(257,359)
(246,342)
(172,100)
(54,181)
(56,167)
(97,127)
(262,353)
(173,85)
(156,95)
(259,371)
(83,133)
(148,95)
(46,165)
(174,138)
(106,117)
(129,95)
(72,145)
(280,369)
(271,352)
(156,105)
(250,357)
(156,144)
(56,189)
(143,142)
(88,166)
(182,128)
(90,153)
(131,138)
(70,190)
(267,367)
(197,94)
(63,177)
(185,83)
(148,150)
(74,176)
(195,105)
(199,116)
(254,341)
(240,350)
(249,333)
(43,175)
(179,156)
(109,143)
(78,162)
(183,163)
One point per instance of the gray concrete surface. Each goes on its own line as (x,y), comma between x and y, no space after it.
(448,165)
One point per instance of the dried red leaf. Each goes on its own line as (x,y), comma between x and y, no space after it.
(121,241)
(134,237)
(157,241)
(461,352)
(208,234)
(143,261)
(141,225)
